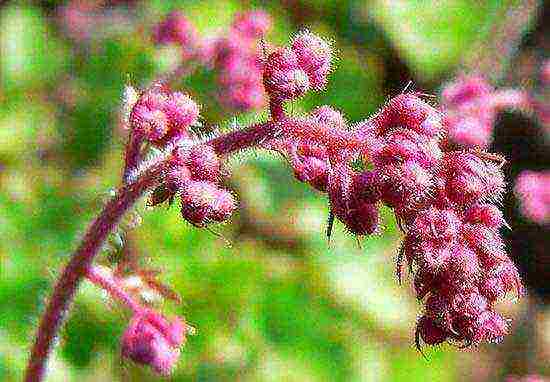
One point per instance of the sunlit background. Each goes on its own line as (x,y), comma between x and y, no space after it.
(278,303)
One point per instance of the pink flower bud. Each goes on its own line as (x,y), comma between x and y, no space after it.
(359,217)
(282,76)
(465,89)
(486,214)
(431,333)
(152,340)
(314,56)
(367,187)
(160,116)
(203,163)
(410,112)
(490,327)
(181,110)
(436,226)
(533,190)
(329,116)
(252,24)
(203,203)
(176,29)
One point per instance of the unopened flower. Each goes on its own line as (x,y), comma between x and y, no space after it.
(252,24)
(203,203)
(153,340)
(533,191)
(314,56)
(176,29)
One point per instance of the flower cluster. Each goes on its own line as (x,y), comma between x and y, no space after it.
(151,339)
(533,191)
(444,201)
(471,106)
(161,117)
(290,72)
(234,55)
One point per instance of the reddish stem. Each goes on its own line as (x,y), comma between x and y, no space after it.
(276,109)
(242,139)
(108,283)
(126,197)
(132,156)
(65,287)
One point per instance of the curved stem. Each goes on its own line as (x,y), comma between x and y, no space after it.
(126,197)
(67,283)
(132,156)
(108,283)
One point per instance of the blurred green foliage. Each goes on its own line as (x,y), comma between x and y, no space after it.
(264,309)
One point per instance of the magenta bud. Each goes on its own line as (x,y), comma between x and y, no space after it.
(431,333)
(465,89)
(532,189)
(314,56)
(175,29)
(203,203)
(407,111)
(252,24)
(362,219)
(181,110)
(152,340)
(490,327)
(469,305)
(203,163)
(486,214)
(329,116)
(367,187)
(435,226)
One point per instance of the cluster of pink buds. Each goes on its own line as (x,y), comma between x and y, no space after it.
(235,55)
(290,72)
(161,117)
(150,339)
(444,201)
(471,106)
(533,191)
(153,340)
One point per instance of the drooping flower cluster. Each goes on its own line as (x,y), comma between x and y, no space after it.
(471,106)
(444,203)
(234,55)
(443,200)
(533,191)
(151,339)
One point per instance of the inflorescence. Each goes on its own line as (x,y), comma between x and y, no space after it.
(445,202)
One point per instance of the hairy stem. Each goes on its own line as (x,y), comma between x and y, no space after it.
(132,156)
(241,139)
(105,223)
(107,282)
(67,283)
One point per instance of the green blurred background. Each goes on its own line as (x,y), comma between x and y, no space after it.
(280,303)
